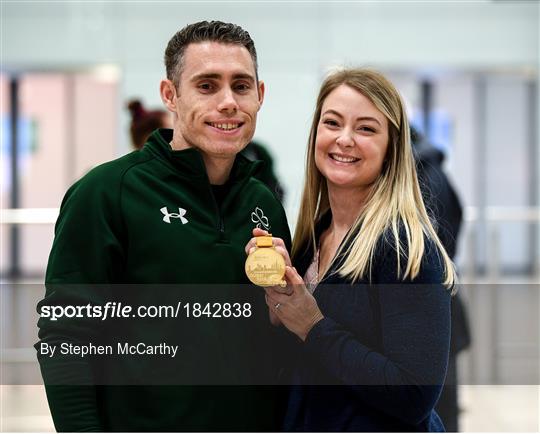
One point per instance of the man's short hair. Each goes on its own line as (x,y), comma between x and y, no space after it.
(213,31)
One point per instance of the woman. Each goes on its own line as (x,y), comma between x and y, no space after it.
(375,332)
(144,122)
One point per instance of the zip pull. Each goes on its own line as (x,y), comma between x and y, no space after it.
(221,226)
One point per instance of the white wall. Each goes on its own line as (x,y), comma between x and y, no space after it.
(296,43)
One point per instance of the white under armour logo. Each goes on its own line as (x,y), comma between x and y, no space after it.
(258,217)
(180,215)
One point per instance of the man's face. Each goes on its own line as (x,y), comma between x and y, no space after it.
(218,99)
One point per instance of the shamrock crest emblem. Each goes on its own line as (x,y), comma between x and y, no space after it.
(260,219)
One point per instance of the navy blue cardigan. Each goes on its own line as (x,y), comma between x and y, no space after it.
(378,359)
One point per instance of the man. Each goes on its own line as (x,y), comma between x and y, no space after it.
(447,213)
(179,211)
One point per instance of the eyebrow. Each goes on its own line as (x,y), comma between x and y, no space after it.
(216,76)
(360,118)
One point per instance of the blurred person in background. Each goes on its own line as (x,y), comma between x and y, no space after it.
(144,122)
(370,301)
(445,210)
(179,211)
(254,151)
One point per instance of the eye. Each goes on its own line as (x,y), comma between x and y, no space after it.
(367,129)
(205,87)
(242,87)
(330,123)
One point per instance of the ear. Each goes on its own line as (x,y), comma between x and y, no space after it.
(261,90)
(167,90)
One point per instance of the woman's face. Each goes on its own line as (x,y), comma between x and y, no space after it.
(352,138)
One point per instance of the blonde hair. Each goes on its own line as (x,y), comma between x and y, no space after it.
(395,200)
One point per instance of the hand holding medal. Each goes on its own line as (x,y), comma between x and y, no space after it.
(264,266)
(266,261)
(291,305)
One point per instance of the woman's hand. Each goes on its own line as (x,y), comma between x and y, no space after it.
(298,311)
(279,244)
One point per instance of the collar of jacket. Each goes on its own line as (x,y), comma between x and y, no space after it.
(188,163)
(305,259)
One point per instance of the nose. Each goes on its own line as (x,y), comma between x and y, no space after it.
(345,139)
(227,103)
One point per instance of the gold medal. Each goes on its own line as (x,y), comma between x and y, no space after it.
(265,266)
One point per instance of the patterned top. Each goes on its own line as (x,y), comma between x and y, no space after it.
(311,276)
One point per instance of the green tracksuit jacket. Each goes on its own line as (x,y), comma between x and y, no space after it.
(150,218)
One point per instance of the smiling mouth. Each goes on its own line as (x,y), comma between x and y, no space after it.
(225,126)
(343,159)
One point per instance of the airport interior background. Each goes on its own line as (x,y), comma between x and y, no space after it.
(468,71)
